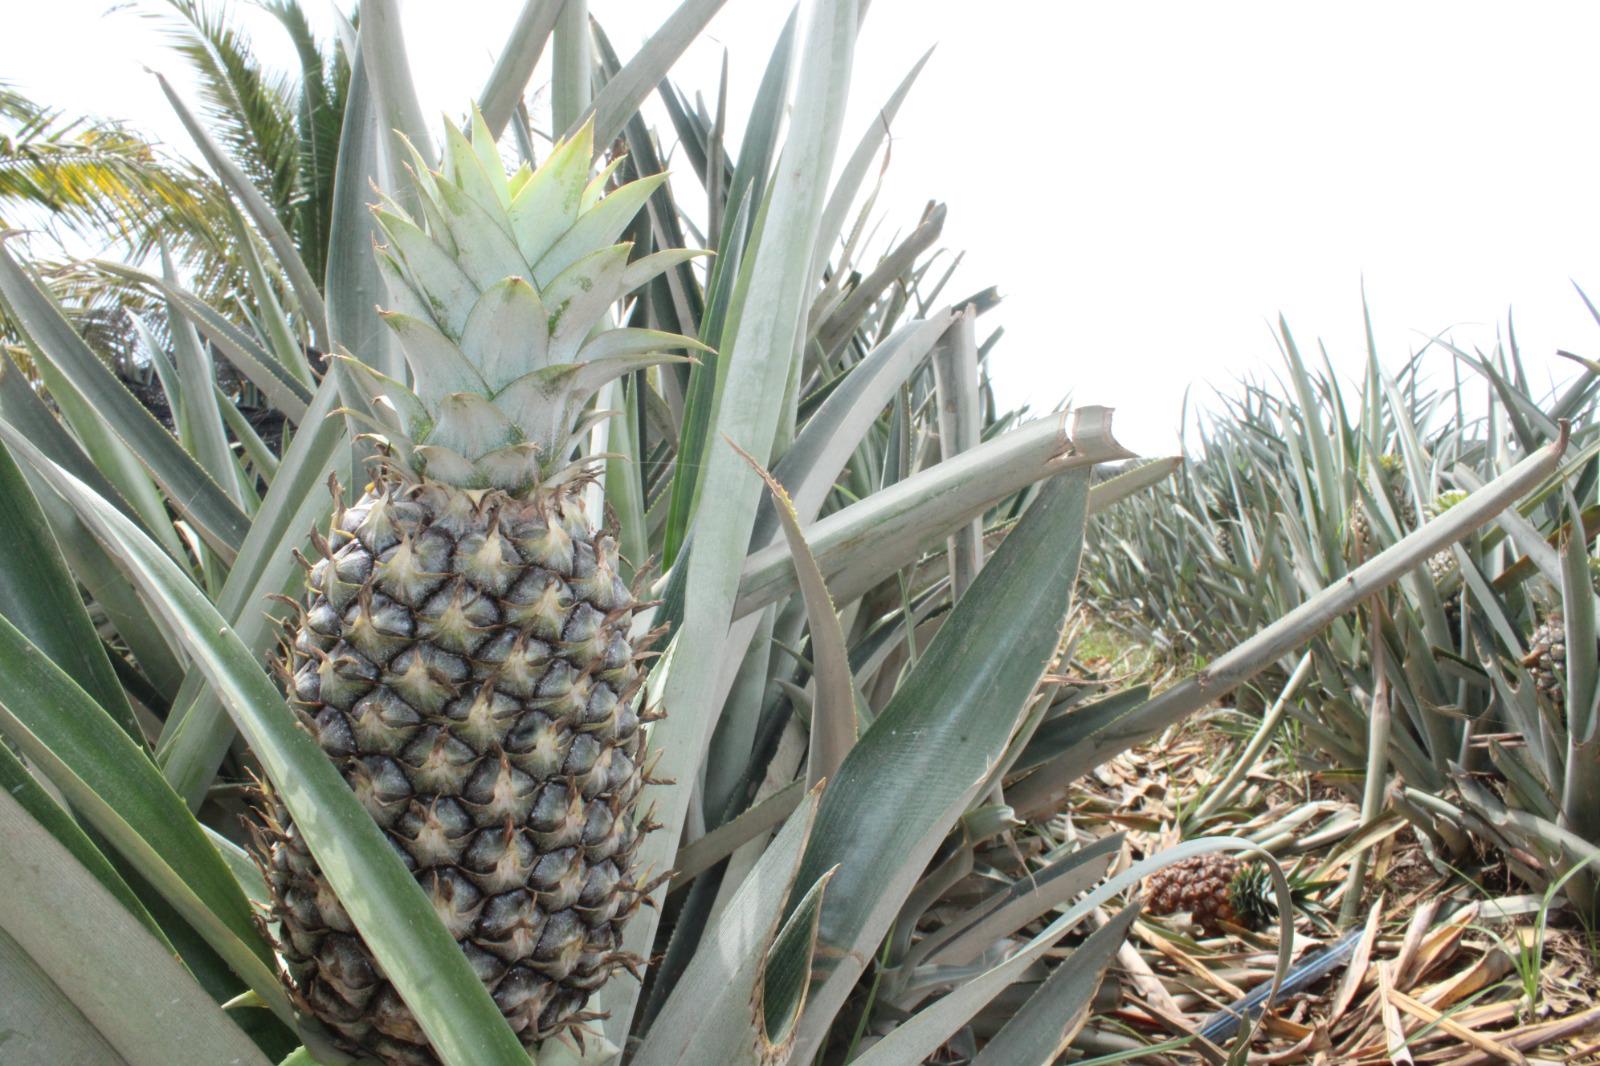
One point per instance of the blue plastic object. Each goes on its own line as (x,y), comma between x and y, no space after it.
(1225,1023)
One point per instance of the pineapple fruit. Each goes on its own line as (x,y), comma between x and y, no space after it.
(1442,564)
(1546,659)
(1442,569)
(1223,518)
(464,652)
(1215,889)
(1392,479)
(1547,655)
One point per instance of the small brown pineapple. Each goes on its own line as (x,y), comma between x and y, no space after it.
(1214,889)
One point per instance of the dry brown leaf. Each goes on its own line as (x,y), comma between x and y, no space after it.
(1450,1025)
(1394,1031)
(1533,1037)
(1188,962)
(1316,1040)
(1138,973)
(1440,944)
(1416,933)
(1489,968)
(1355,973)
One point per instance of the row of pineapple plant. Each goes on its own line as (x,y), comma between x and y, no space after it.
(496,824)
(1293,488)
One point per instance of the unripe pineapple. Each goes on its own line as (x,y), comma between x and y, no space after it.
(1442,569)
(1442,564)
(1547,656)
(1546,660)
(1391,474)
(464,650)
(1225,537)
(1214,888)
(1222,518)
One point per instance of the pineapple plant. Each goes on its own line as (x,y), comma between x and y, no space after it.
(463,652)
(452,839)
(1214,888)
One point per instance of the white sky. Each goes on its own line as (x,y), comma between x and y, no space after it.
(1149,184)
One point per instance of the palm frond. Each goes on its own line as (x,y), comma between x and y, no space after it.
(98,180)
(250,109)
(319,116)
(92,176)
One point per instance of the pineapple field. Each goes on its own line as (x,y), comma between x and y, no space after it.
(471,595)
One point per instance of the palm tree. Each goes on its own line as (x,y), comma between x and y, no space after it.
(281,128)
(96,181)
(95,177)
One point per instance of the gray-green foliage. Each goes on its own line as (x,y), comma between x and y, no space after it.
(1262,516)
(894,615)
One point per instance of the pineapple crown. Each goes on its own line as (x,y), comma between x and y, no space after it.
(1250,892)
(500,295)
(1446,500)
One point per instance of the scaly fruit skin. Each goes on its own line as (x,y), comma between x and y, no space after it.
(1547,656)
(1214,889)
(1546,660)
(1223,517)
(465,660)
(1442,564)
(463,650)
(1392,477)
(1442,569)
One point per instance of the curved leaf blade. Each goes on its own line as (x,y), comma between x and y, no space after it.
(190,488)
(22,408)
(833,711)
(39,596)
(260,212)
(381,896)
(15,779)
(857,546)
(41,1024)
(709,1016)
(1056,1011)
(123,980)
(114,785)
(757,370)
(354,282)
(627,89)
(944,727)
(277,383)
(921,1034)
(503,89)
(197,732)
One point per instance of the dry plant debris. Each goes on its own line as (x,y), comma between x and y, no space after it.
(1448,970)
